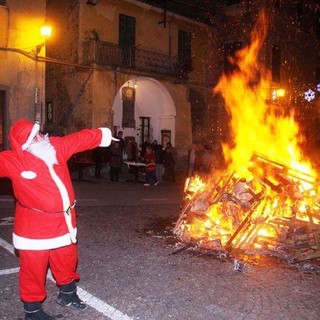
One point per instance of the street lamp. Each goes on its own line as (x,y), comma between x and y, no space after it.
(46,31)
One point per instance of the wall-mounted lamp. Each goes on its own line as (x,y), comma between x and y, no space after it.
(278,93)
(46,31)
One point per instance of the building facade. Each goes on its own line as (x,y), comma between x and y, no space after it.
(22,75)
(146,71)
(132,67)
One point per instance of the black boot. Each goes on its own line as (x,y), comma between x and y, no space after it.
(34,311)
(68,297)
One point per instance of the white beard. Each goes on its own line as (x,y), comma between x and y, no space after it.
(44,150)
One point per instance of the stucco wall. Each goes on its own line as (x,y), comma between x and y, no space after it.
(103,92)
(20,23)
(150,35)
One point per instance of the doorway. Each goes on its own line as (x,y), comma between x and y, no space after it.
(144,129)
(3,120)
(154,110)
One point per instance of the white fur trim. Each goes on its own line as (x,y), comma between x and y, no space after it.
(66,203)
(28,175)
(106,137)
(23,243)
(33,133)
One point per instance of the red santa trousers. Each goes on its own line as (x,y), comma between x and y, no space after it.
(33,270)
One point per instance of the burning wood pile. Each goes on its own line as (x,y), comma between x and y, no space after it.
(267,199)
(276,211)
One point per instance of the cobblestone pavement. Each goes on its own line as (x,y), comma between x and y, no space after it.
(126,262)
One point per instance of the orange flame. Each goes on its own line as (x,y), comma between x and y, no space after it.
(255,131)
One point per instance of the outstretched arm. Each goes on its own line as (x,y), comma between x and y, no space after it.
(83,140)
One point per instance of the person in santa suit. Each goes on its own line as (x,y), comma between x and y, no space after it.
(45,232)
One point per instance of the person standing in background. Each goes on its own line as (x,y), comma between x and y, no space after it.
(170,157)
(115,161)
(122,143)
(150,168)
(159,153)
(191,160)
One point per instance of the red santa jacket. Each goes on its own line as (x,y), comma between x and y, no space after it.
(44,192)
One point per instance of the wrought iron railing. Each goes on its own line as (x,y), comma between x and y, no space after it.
(108,54)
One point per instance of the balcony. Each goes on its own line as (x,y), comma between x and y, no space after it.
(107,54)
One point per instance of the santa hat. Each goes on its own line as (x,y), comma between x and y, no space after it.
(22,134)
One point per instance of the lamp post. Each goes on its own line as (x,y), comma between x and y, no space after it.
(45,32)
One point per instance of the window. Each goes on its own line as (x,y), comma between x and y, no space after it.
(276,63)
(127,39)
(184,51)
(230,50)
(145,129)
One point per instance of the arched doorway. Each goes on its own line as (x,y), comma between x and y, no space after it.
(149,111)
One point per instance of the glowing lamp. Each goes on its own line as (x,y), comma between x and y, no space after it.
(46,31)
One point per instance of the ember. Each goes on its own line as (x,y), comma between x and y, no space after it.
(267,199)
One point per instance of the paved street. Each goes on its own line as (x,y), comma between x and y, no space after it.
(128,269)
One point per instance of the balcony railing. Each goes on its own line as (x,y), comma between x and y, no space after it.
(108,54)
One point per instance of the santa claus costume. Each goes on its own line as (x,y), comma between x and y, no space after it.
(45,219)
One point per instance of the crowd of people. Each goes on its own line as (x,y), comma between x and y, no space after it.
(201,160)
(157,161)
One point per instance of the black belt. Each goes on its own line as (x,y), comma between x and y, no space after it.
(38,210)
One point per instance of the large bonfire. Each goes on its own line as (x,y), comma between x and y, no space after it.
(267,198)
